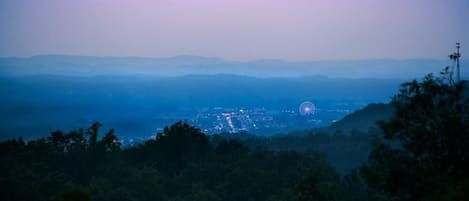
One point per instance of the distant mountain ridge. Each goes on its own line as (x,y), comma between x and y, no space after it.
(188,64)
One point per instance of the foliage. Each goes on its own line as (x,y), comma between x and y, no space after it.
(181,163)
(425,153)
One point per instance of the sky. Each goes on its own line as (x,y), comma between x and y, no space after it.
(294,30)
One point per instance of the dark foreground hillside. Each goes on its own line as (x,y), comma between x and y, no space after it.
(180,164)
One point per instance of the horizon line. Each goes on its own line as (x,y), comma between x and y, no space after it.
(228,60)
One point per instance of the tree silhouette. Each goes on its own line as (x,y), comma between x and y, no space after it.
(425,151)
(183,140)
(92,134)
(180,164)
(110,142)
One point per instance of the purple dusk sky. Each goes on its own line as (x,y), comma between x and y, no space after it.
(235,29)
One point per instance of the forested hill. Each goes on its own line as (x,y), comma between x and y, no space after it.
(365,118)
(346,144)
(177,165)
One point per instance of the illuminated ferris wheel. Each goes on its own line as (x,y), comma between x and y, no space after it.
(307,108)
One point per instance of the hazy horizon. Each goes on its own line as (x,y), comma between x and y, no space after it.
(441,58)
(195,65)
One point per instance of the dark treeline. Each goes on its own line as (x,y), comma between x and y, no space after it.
(345,150)
(420,153)
(179,164)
